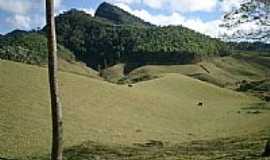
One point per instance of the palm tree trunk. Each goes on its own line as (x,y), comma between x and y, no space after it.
(56,108)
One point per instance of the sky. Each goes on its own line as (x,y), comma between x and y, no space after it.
(201,15)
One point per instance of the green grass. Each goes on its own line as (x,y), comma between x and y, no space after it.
(163,109)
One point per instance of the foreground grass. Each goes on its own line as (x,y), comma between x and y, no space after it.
(163,109)
(234,148)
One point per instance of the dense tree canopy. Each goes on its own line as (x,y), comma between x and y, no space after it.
(99,42)
(28,47)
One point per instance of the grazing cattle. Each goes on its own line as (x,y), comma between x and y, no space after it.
(200,104)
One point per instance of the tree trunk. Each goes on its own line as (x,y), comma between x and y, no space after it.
(267,149)
(56,108)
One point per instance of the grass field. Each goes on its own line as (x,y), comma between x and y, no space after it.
(164,109)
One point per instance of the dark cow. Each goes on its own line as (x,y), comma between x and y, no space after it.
(200,104)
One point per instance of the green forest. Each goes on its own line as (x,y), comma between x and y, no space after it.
(29,47)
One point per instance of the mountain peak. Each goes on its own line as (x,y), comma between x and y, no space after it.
(104,4)
(118,16)
(16,32)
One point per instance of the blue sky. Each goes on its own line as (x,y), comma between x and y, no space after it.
(201,15)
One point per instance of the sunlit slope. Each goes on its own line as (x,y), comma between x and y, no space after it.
(78,68)
(163,109)
(225,72)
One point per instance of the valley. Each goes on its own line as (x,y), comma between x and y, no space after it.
(132,90)
(164,109)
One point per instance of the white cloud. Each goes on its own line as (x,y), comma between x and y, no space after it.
(185,5)
(210,28)
(57,3)
(124,7)
(19,21)
(124,1)
(26,14)
(15,6)
(154,3)
(24,6)
(90,11)
(193,5)
(228,5)
(175,5)
(179,7)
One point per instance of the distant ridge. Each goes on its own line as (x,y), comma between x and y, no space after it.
(16,32)
(118,16)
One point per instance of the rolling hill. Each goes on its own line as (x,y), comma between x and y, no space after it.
(179,87)
(163,109)
(221,71)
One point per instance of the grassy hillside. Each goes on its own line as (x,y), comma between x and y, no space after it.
(162,109)
(77,68)
(114,74)
(224,72)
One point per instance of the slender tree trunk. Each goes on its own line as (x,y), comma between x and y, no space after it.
(267,149)
(56,108)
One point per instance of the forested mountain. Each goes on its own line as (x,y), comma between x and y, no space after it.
(28,47)
(118,16)
(111,37)
(99,42)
